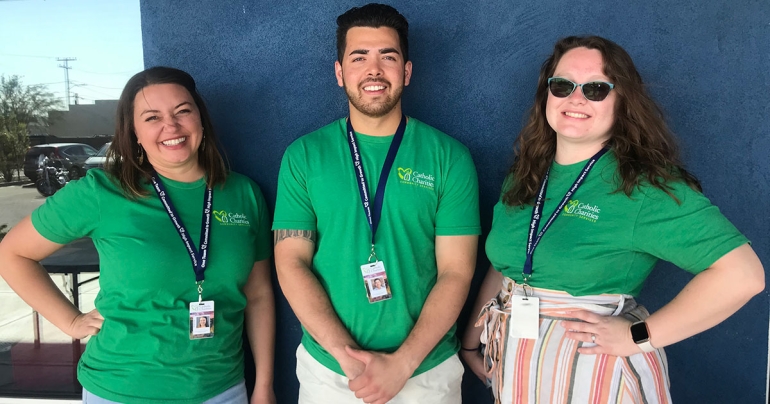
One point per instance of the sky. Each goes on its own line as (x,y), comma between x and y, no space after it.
(104,35)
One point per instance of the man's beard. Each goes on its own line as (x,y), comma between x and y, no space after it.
(376,109)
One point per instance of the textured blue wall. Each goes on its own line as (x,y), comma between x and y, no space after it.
(266,71)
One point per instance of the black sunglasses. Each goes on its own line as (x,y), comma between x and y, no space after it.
(593,91)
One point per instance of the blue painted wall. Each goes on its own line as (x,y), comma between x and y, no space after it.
(266,71)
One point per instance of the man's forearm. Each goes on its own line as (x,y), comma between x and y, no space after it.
(313,309)
(293,257)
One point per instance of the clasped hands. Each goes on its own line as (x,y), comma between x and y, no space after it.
(375,377)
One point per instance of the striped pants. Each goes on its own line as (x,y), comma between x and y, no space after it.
(550,370)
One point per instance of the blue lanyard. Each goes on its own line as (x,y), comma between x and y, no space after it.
(533,241)
(373,215)
(199,257)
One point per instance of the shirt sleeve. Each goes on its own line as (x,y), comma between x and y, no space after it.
(458,206)
(293,207)
(691,234)
(72,212)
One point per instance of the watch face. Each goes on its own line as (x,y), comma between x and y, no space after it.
(639,332)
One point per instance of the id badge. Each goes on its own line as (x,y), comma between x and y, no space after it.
(376,282)
(525,317)
(202,319)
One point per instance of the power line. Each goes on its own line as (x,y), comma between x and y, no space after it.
(80,96)
(27,56)
(93,85)
(116,73)
(45,84)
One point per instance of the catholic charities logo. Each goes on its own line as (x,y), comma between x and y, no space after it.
(411,177)
(230,219)
(582,210)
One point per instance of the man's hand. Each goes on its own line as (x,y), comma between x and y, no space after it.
(350,366)
(384,376)
(86,324)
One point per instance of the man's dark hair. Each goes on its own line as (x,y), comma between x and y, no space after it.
(375,16)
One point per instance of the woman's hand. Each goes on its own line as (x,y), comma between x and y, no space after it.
(86,324)
(475,361)
(489,289)
(264,395)
(611,334)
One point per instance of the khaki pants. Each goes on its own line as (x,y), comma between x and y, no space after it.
(319,385)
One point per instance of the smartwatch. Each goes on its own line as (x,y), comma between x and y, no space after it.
(641,336)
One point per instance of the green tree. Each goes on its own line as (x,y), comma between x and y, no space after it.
(14,142)
(20,107)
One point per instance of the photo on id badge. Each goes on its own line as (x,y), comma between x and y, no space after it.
(201,319)
(376,282)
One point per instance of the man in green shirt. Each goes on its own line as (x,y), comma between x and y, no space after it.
(376,233)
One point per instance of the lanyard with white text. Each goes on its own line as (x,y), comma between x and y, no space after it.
(198,257)
(533,241)
(373,216)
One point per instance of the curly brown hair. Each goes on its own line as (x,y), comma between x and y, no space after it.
(644,146)
(123,154)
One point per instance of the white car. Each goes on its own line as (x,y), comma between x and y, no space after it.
(99,159)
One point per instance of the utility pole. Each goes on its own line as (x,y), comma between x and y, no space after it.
(66,68)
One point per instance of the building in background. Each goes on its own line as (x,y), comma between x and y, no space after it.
(92,124)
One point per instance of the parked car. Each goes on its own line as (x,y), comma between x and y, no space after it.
(72,156)
(99,159)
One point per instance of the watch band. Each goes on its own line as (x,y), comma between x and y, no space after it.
(646,346)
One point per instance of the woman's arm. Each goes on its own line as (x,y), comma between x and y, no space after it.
(260,327)
(493,281)
(707,300)
(20,251)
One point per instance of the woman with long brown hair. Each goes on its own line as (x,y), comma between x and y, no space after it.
(179,239)
(596,195)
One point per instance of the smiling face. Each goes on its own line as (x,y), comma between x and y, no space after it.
(373,71)
(377,283)
(168,127)
(201,322)
(576,120)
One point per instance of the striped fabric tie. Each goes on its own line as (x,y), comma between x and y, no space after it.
(550,370)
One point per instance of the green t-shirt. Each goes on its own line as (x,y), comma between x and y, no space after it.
(432,190)
(143,353)
(605,241)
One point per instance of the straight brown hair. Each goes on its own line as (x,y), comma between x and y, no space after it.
(123,155)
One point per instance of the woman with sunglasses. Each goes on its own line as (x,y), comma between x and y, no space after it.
(596,195)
